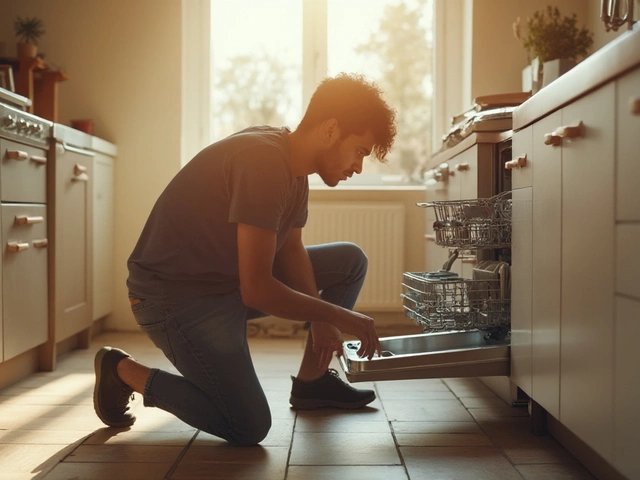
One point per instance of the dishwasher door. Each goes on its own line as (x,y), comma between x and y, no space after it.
(471,353)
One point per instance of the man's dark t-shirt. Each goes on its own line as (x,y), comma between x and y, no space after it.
(188,246)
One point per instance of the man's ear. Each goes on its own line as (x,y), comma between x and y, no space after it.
(330,131)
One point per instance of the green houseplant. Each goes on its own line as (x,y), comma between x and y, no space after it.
(553,41)
(28,30)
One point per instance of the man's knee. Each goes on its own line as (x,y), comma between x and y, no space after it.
(357,258)
(251,434)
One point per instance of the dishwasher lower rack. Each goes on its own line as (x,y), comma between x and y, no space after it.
(456,303)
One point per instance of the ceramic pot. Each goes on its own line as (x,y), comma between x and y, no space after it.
(29,50)
(553,69)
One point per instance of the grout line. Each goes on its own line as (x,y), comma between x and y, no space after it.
(393,433)
(293,433)
(181,456)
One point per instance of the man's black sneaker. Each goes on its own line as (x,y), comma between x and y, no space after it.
(111,395)
(328,391)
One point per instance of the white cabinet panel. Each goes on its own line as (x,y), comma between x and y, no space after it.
(586,387)
(521,290)
(547,227)
(103,228)
(627,388)
(628,259)
(628,146)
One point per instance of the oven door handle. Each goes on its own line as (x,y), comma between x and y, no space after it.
(81,151)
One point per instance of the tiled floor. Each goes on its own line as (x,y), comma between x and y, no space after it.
(419,429)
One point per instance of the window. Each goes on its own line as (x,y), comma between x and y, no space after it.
(267,58)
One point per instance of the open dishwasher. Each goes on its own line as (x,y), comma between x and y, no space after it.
(466,321)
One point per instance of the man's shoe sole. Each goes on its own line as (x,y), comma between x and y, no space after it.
(312,404)
(97,366)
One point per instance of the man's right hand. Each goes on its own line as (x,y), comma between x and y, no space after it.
(360,326)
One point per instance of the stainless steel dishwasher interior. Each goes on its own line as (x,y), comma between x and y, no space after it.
(430,355)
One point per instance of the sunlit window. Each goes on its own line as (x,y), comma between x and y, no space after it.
(259,48)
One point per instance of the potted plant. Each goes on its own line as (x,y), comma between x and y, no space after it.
(28,30)
(553,42)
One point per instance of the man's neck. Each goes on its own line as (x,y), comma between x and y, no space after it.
(303,153)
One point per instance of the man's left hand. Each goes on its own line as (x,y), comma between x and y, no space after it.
(326,340)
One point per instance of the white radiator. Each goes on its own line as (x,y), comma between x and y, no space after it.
(378,228)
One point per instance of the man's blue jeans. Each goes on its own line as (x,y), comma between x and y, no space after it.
(206,340)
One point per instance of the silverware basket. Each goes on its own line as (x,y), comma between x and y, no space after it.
(471,224)
(456,303)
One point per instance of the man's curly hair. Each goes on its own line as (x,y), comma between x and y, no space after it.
(357,105)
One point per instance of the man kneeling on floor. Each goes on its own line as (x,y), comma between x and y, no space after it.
(223,245)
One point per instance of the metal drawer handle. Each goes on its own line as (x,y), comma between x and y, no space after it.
(571,131)
(552,139)
(38,159)
(469,260)
(40,243)
(519,162)
(17,246)
(634,105)
(27,220)
(430,236)
(17,155)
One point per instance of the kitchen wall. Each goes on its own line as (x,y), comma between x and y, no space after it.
(124,60)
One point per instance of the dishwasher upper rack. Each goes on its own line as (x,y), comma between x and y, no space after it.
(472,224)
(455,304)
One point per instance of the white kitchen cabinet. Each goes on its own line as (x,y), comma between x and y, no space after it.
(627,259)
(72,259)
(628,147)
(586,339)
(521,289)
(627,387)
(522,161)
(546,265)
(103,228)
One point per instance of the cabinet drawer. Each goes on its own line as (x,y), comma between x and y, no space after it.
(628,146)
(24,172)
(628,259)
(24,277)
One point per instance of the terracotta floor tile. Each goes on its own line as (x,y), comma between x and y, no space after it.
(341,423)
(442,439)
(435,427)
(459,463)
(343,449)
(123,436)
(29,461)
(124,453)
(555,472)
(426,410)
(280,435)
(333,472)
(468,387)
(109,471)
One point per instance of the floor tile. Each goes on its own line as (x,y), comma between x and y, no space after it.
(109,471)
(28,461)
(340,423)
(492,413)
(459,463)
(343,449)
(123,436)
(426,410)
(124,453)
(435,427)
(554,472)
(333,472)
(483,402)
(442,439)
(228,462)
(42,437)
(468,387)
(280,435)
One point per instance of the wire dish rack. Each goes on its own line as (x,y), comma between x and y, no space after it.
(455,303)
(472,224)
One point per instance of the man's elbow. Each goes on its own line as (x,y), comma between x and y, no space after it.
(253,296)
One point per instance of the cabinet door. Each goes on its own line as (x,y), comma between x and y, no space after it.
(627,387)
(72,266)
(628,147)
(586,361)
(522,147)
(103,226)
(546,265)
(24,277)
(521,290)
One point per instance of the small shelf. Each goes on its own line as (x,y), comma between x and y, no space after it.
(37,82)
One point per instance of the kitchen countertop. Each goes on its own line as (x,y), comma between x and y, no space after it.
(617,57)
